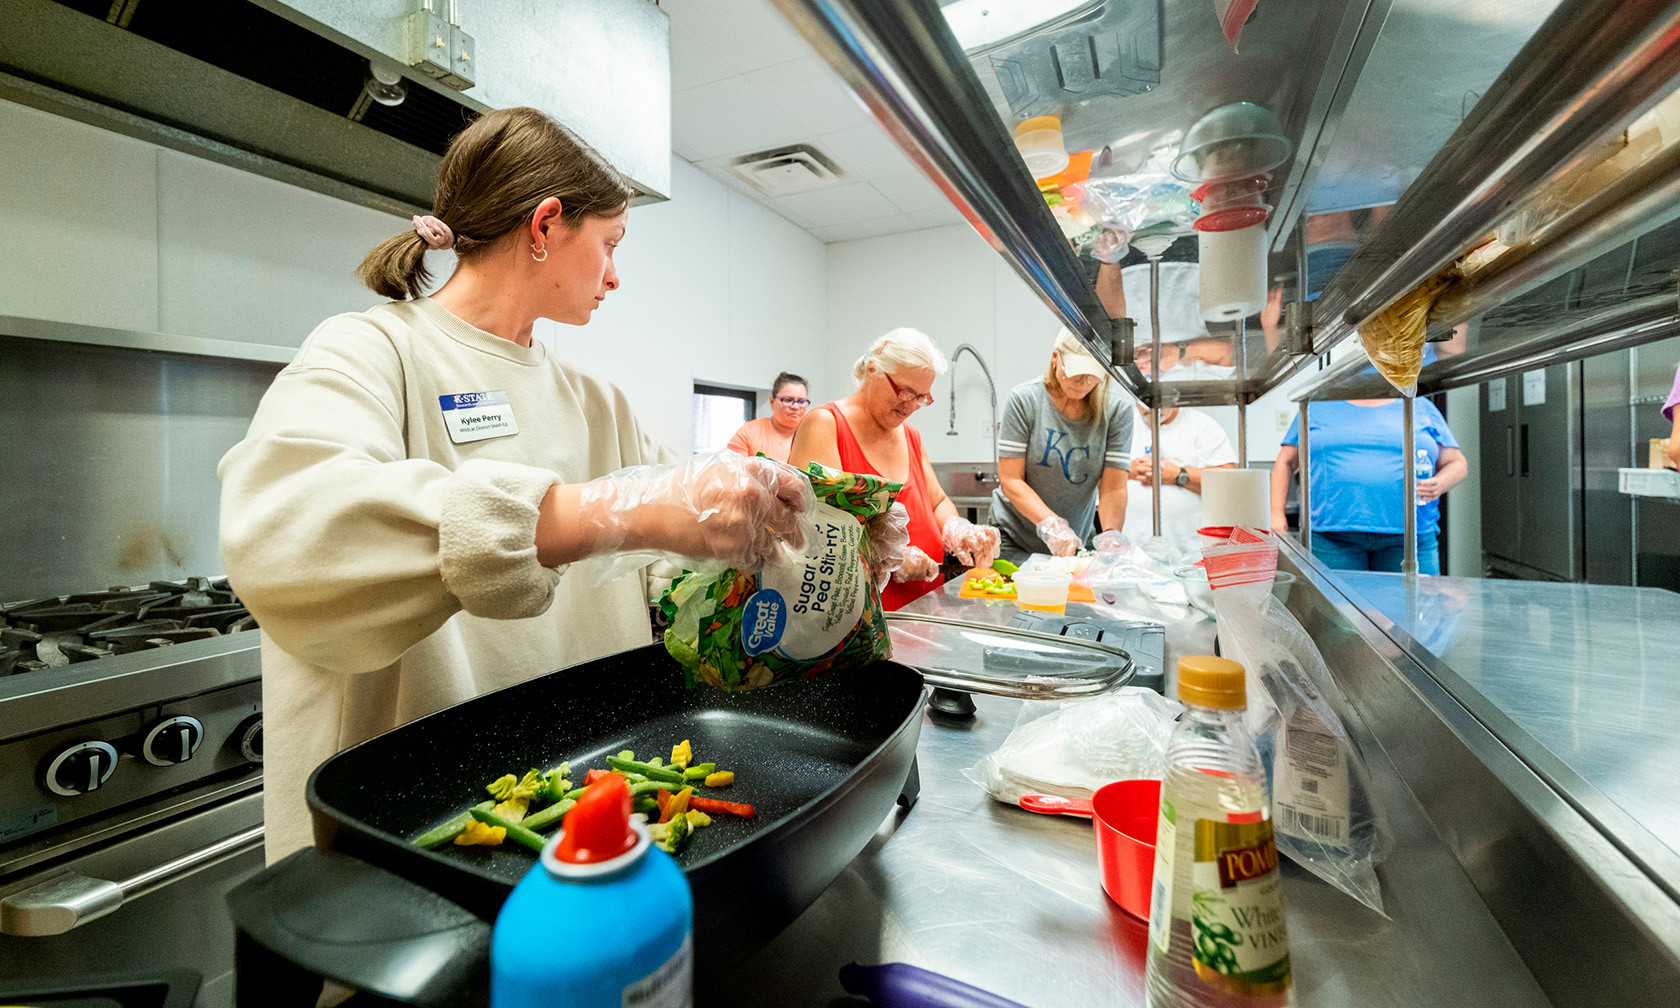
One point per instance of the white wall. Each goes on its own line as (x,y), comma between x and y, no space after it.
(103,229)
(951,284)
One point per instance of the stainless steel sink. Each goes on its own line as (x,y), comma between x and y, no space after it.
(968,484)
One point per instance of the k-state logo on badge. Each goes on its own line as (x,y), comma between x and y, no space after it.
(474,416)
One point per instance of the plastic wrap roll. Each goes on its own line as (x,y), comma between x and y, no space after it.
(1233,273)
(1236,497)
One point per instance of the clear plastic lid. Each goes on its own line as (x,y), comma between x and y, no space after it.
(1005,661)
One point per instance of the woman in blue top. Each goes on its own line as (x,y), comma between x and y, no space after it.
(1358,516)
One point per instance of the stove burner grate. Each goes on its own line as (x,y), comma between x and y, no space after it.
(62,630)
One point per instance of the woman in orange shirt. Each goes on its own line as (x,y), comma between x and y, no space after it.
(868,432)
(773,435)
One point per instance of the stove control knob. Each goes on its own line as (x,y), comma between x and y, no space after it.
(80,768)
(248,738)
(172,741)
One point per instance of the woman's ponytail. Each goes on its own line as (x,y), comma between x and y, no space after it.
(396,269)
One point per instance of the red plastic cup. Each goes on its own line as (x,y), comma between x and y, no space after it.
(1123,816)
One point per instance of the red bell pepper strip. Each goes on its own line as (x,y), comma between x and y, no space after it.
(593,776)
(741,809)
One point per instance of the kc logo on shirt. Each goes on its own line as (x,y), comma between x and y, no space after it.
(1052,439)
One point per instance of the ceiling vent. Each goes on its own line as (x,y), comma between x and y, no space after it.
(786,170)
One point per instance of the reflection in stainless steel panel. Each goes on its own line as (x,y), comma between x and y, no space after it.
(110,462)
(1588,671)
(1401,113)
(1594,928)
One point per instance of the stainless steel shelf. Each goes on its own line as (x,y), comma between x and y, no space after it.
(15,326)
(1569,337)
(1588,71)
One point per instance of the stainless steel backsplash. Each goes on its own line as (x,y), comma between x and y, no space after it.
(108,462)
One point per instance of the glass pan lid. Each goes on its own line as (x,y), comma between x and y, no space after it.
(1005,661)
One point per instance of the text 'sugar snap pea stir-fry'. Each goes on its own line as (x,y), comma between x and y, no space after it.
(664,792)
(740,631)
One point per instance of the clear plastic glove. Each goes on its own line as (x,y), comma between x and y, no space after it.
(1108,541)
(889,536)
(1058,535)
(975,545)
(715,511)
(1110,246)
(916,566)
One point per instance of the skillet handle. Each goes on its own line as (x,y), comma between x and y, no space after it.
(321,915)
(1056,805)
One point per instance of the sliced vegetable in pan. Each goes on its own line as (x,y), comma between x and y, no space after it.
(664,793)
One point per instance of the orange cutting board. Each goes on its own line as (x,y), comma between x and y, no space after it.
(1076,592)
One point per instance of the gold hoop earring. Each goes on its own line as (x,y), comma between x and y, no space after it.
(539,253)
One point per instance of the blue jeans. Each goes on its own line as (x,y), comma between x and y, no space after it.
(1374,551)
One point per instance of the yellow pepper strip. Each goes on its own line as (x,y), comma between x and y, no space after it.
(480,833)
(697,818)
(513,810)
(723,778)
(678,803)
(681,754)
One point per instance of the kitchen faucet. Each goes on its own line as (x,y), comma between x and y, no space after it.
(990,387)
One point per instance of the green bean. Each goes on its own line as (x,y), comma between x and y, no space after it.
(646,770)
(441,835)
(514,830)
(699,771)
(539,821)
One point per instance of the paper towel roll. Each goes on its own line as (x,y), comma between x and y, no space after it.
(1236,497)
(1233,272)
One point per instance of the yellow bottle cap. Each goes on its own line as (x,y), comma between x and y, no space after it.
(1210,681)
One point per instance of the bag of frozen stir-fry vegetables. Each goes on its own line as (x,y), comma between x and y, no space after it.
(795,618)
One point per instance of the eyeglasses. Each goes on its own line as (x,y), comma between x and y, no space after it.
(906,395)
(791,401)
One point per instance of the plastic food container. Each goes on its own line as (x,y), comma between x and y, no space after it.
(1044,590)
(1039,139)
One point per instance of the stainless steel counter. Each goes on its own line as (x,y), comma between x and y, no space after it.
(1010,901)
(1581,681)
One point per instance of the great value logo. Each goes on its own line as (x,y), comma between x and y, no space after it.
(763,621)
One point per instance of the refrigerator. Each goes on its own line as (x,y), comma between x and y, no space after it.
(1532,474)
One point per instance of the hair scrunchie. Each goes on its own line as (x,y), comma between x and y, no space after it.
(434,233)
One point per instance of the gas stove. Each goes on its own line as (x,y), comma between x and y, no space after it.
(63,630)
(117,704)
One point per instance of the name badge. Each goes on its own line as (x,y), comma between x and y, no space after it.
(474,416)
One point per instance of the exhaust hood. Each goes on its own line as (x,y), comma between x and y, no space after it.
(303,92)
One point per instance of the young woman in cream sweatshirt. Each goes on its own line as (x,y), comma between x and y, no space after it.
(400,515)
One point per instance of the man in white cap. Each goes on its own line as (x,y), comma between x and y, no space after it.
(1064,447)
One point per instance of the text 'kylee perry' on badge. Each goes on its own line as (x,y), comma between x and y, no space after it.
(474,416)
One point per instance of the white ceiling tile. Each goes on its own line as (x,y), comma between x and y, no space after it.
(857,201)
(711,39)
(940,217)
(694,56)
(911,191)
(868,228)
(808,90)
(863,152)
(727,117)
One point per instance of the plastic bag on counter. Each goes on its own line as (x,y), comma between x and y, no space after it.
(798,616)
(1120,564)
(1321,810)
(1073,748)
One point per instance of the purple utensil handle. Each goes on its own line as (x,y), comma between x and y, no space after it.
(901,985)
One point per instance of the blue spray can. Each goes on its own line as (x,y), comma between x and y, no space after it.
(604,919)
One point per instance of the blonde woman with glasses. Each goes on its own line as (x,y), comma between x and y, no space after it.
(869,432)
